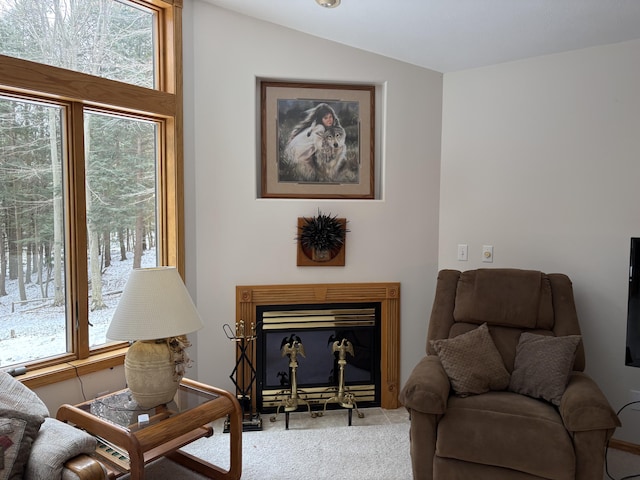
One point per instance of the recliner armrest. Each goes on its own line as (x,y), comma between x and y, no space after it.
(584,407)
(427,388)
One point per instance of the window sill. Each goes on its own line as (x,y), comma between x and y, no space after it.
(68,370)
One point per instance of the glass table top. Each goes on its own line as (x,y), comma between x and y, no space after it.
(121,409)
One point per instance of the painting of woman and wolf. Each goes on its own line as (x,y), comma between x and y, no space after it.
(318,141)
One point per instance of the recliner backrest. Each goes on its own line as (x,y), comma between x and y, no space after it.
(510,301)
(511,298)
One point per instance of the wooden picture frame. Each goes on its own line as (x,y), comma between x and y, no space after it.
(317,140)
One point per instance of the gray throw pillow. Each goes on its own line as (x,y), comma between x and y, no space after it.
(543,365)
(17,433)
(15,396)
(472,362)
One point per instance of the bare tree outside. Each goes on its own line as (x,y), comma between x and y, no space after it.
(105,38)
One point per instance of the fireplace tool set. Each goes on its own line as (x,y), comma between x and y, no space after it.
(292,399)
(243,375)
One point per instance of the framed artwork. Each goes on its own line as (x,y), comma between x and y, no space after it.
(317,140)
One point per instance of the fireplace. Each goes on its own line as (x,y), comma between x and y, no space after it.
(319,331)
(378,302)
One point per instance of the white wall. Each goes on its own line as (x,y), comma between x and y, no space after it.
(541,159)
(236,238)
(77,390)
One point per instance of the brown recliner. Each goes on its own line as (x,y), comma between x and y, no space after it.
(502,434)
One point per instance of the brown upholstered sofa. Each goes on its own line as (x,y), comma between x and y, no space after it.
(509,425)
(34,446)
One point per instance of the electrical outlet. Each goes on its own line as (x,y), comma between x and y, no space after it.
(487,253)
(635,397)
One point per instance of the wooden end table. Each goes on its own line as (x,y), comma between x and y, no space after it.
(114,419)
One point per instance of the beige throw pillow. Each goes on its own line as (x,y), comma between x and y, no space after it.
(472,362)
(543,365)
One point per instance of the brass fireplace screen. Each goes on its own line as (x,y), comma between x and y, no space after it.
(317,374)
(374,311)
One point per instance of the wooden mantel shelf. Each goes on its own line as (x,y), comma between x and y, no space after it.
(248,297)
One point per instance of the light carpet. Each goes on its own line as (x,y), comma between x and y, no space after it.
(323,449)
(359,452)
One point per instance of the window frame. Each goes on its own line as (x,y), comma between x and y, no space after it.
(75,90)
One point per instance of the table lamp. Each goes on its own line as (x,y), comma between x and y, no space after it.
(156,312)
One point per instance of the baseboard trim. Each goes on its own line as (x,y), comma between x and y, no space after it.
(624,446)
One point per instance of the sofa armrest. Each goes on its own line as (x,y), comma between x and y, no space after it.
(427,388)
(56,443)
(584,407)
(86,468)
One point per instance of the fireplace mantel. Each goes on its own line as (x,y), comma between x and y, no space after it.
(248,297)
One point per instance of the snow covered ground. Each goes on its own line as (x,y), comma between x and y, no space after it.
(37,329)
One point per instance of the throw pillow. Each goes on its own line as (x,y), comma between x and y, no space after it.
(543,365)
(15,396)
(57,442)
(472,362)
(17,433)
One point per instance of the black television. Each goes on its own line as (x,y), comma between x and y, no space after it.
(632,357)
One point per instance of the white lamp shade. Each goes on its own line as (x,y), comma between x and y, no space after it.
(155,304)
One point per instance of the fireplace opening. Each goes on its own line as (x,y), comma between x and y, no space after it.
(319,328)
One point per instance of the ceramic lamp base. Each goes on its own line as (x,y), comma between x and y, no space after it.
(150,373)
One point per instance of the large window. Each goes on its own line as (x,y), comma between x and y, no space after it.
(109,38)
(90,168)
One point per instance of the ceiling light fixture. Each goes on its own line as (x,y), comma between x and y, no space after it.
(328,3)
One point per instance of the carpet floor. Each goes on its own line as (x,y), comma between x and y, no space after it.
(375,447)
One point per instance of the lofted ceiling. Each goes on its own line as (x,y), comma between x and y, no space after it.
(451,35)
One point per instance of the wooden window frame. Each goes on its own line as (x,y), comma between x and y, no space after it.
(76,91)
